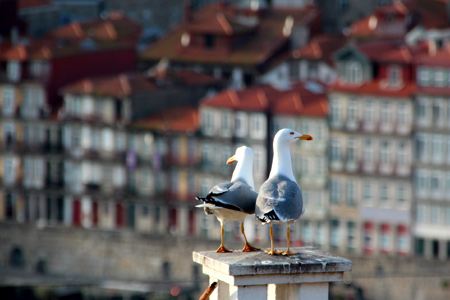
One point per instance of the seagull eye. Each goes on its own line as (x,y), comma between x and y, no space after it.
(291,133)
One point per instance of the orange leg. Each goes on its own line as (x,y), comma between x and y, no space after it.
(222,248)
(288,239)
(272,251)
(247,246)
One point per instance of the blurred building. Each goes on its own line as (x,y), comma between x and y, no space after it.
(235,43)
(371,158)
(129,151)
(432,155)
(31,77)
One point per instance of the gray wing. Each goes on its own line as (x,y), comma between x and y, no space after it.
(279,199)
(236,195)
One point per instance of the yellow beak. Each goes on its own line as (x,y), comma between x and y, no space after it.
(231,160)
(306,137)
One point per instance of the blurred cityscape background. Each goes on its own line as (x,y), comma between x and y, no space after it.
(115,114)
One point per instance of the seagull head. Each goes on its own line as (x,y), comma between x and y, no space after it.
(287,135)
(240,154)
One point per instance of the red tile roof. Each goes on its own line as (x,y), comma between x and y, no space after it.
(302,99)
(120,86)
(390,51)
(114,27)
(178,120)
(115,32)
(439,58)
(375,88)
(320,48)
(258,47)
(394,20)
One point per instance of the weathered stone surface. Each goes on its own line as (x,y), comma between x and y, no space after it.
(305,261)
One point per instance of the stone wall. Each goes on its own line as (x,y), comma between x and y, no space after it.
(130,256)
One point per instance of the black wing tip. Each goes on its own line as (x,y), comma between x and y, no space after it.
(198,198)
(268,217)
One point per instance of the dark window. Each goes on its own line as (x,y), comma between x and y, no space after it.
(119,107)
(60,209)
(210,41)
(166,271)
(9,206)
(420,247)
(435,248)
(448,250)
(17,258)
(130,217)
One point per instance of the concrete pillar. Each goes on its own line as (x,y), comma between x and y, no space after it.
(257,275)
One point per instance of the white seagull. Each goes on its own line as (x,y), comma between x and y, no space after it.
(280,197)
(233,200)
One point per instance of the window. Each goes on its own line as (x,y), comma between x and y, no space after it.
(367,192)
(384,152)
(334,191)
(9,133)
(401,193)
(420,147)
(401,154)
(8,101)
(335,150)
(13,70)
(351,199)
(369,112)
(307,232)
(351,150)
(352,112)
(334,234)
(368,151)
(335,112)
(210,41)
(351,235)
(384,238)
(207,122)
(402,116)
(440,77)
(424,76)
(422,108)
(394,75)
(108,139)
(241,124)
(9,169)
(354,72)
(384,192)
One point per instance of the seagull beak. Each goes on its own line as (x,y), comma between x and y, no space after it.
(231,160)
(306,137)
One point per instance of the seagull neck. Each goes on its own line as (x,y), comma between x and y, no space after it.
(282,163)
(243,171)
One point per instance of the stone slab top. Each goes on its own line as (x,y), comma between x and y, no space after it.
(304,261)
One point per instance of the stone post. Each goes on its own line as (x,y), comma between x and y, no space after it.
(257,275)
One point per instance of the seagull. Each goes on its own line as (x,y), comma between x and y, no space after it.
(233,200)
(280,198)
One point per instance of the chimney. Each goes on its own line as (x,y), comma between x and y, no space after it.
(187,11)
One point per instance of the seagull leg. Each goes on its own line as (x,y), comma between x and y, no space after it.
(288,239)
(272,251)
(247,246)
(222,248)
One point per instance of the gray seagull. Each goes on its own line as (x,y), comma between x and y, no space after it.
(233,200)
(280,197)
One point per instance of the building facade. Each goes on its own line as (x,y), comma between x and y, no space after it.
(432,156)
(371,158)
